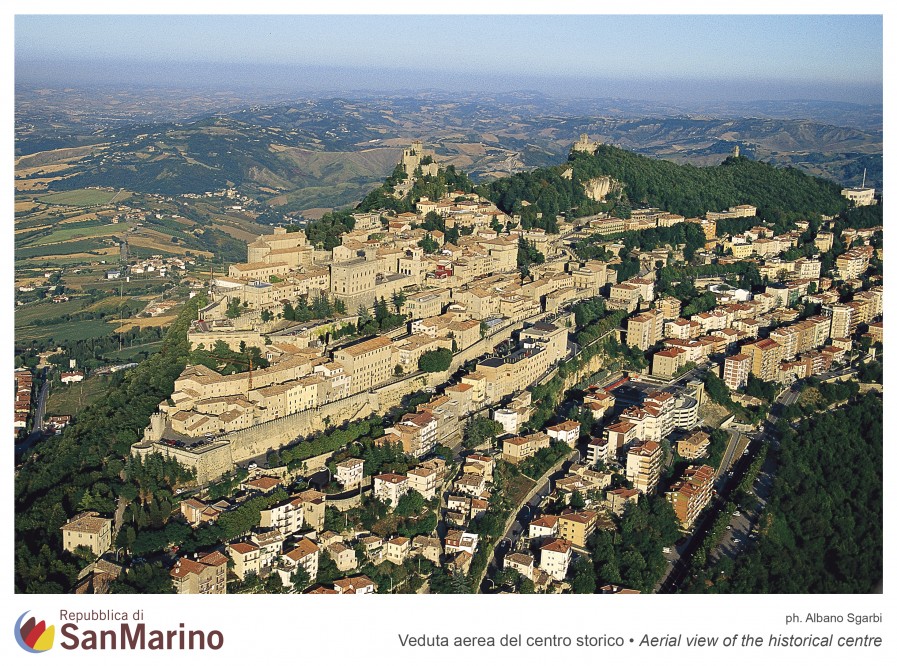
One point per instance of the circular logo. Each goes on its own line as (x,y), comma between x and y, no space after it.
(33,636)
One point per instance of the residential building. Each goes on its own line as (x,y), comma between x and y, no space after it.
(424,480)
(369,362)
(691,494)
(287,517)
(577,527)
(667,362)
(457,541)
(515,449)
(644,330)
(313,506)
(520,562)
(643,464)
(350,472)
(620,498)
(543,527)
(355,585)
(305,554)
(766,355)
(88,530)
(430,548)
(390,488)
(398,549)
(206,575)
(555,558)
(694,446)
(736,371)
(343,556)
(567,432)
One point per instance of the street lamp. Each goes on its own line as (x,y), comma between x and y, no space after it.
(493,584)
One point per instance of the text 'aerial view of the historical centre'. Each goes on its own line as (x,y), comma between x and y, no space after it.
(429,326)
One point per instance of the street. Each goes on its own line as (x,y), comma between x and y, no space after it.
(680,558)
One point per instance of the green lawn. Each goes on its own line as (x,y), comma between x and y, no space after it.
(83,197)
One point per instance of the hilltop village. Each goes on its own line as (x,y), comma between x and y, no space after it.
(445,385)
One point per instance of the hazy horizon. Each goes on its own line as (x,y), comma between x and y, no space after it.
(652,58)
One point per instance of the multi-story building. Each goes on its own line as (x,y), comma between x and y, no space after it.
(666,362)
(354,281)
(520,562)
(736,371)
(644,330)
(457,541)
(369,362)
(694,446)
(691,494)
(390,488)
(88,530)
(398,549)
(207,575)
(577,527)
(853,263)
(670,308)
(313,506)
(556,555)
(350,472)
(288,518)
(643,464)
(424,480)
(842,319)
(543,527)
(766,355)
(515,449)
(620,498)
(566,431)
(355,585)
(306,554)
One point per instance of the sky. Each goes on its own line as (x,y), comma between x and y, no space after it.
(763,57)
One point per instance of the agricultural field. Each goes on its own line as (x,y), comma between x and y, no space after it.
(84,198)
(69,233)
(72,331)
(70,399)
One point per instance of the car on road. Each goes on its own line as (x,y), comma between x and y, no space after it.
(736,540)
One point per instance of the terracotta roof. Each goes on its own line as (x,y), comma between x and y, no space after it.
(558,546)
(304,548)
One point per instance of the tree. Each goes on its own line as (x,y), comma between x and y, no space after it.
(428,244)
(300,578)
(584,581)
(435,360)
(480,430)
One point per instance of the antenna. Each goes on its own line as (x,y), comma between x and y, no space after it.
(864,178)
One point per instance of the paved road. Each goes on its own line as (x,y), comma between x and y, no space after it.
(37,430)
(525,513)
(680,559)
(731,448)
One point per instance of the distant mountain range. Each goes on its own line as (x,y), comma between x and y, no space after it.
(330,152)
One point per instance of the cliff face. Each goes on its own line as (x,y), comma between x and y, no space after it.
(598,188)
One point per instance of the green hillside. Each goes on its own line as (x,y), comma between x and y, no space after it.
(691,191)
